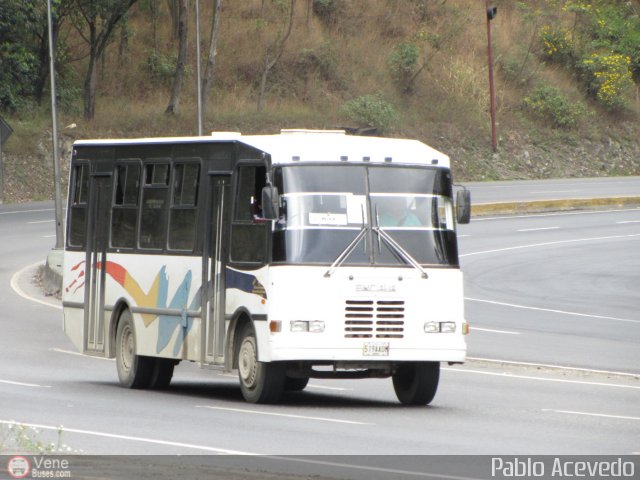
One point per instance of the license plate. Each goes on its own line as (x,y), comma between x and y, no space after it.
(375,349)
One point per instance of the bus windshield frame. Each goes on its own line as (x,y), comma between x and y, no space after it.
(326,207)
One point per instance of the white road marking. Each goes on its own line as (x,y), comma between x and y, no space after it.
(546,244)
(48,236)
(550,310)
(324,387)
(16,288)
(539,379)
(463,236)
(555,214)
(41,221)
(628,221)
(555,367)
(493,331)
(588,414)
(273,414)
(537,229)
(205,448)
(27,211)
(69,352)
(557,191)
(22,384)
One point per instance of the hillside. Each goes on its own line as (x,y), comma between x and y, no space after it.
(413,68)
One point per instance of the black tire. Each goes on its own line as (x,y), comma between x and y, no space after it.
(292,384)
(162,373)
(259,382)
(134,371)
(416,383)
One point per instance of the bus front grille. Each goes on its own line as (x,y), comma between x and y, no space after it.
(374,319)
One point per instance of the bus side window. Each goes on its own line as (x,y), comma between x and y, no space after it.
(124,215)
(78,214)
(182,217)
(153,210)
(248,238)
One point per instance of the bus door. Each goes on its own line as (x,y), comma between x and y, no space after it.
(97,241)
(215,254)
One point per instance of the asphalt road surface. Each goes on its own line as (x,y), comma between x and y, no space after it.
(543,292)
(520,191)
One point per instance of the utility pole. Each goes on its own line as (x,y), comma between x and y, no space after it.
(198,76)
(492,11)
(54,116)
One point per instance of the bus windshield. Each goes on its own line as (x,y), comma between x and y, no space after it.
(325,208)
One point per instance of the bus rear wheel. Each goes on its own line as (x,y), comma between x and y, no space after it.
(416,383)
(134,371)
(162,373)
(259,382)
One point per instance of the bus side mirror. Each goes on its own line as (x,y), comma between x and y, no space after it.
(270,203)
(463,206)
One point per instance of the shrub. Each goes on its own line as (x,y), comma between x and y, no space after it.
(372,111)
(161,67)
(608,78)
(556,44)
(403,63)
(550,104)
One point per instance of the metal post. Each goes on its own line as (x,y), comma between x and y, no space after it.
(198,77)
(1,174)
(54,117)
(491,12)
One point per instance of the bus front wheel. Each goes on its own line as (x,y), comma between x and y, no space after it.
(416,383)
(259,382)
(134,371)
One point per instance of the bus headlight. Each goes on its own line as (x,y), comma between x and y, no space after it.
(447,327)
(440,327)
(313,326)
(316,326)
(299,326)
(431,327)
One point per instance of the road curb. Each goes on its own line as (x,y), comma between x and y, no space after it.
(541,206)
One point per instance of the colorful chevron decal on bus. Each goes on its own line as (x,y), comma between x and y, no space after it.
(156,297)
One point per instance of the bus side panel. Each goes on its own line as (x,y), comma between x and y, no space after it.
(247,291)
(73,297)
(154,287)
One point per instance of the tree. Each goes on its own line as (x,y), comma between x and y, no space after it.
(176,90)
(273,54)
(207,81)
(95,21)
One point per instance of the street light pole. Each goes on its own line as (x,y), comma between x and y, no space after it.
(54,116)
(492,11)
(199,78)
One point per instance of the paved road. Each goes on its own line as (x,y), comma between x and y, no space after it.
(589,266)
(519,191)
(555,288)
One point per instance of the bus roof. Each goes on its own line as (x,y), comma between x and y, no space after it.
(298,146)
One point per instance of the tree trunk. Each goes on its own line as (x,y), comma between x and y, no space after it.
(90,86)
(154,24)
(174,9)
(207,81)
(174,103)
(279,50)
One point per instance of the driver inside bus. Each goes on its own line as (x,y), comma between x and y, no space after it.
(394,212)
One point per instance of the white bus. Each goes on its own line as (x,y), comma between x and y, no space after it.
(307,254)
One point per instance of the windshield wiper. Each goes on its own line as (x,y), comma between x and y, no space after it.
(345,253)
(400,251)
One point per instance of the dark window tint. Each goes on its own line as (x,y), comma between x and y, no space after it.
(127,184)
(78,211)
(124,215)
(182,222)
(248,233)
(154,207)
